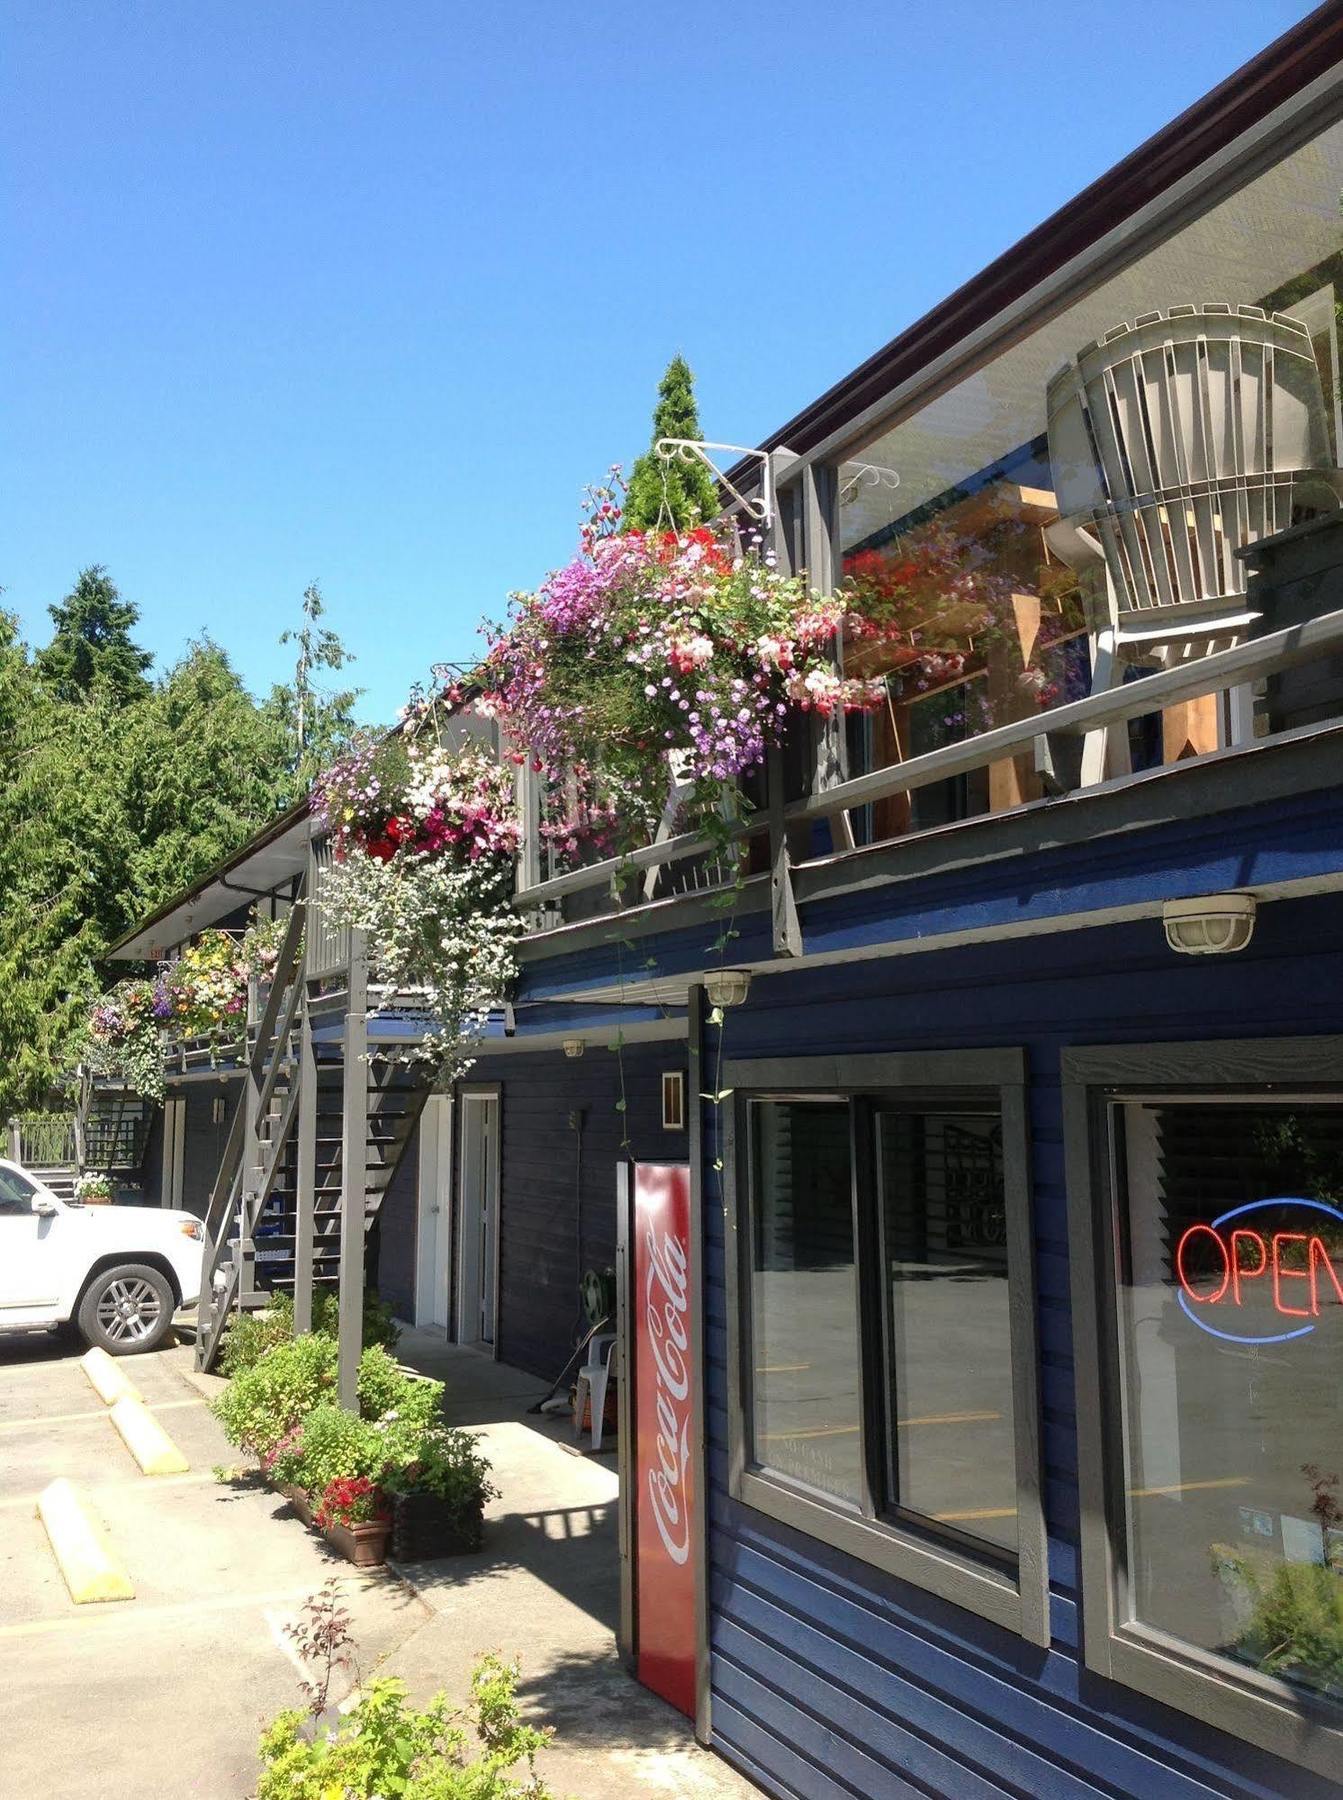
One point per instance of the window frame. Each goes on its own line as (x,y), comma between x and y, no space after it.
(1014,1597)
(1260,1709)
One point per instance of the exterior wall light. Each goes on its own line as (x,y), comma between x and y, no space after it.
(1212,925)
(573,1048)
(727,987)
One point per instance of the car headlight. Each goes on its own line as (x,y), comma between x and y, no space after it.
(192,1228)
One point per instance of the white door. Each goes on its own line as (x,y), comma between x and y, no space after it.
(478,1218)
(433,1258)
(30,1263)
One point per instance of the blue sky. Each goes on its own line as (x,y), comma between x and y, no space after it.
(367,292)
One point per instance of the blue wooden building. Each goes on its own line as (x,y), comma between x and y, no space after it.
(1012,1099)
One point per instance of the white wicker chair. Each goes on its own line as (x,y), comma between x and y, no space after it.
(1174,443)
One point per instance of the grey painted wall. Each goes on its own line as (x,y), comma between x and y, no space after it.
(558,1184)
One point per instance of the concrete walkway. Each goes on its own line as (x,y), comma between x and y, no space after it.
(547,1589)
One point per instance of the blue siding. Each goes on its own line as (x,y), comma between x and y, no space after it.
(557,1196)
(834,1682)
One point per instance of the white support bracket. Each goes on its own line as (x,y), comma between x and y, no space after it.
(759,507)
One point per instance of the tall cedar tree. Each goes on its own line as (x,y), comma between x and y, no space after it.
(673,494)
(92,645)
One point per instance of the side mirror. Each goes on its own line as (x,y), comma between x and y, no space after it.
(43,1207)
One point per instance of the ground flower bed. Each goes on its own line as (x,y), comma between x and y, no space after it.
(391,1471)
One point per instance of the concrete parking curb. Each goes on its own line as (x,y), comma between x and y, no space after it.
(89,1569)
(146,1439)
(109,1382)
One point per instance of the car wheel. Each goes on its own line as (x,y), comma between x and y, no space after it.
(126,1309)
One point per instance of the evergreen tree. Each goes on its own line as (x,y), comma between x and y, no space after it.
(320,721)
(673,494)
(92,643)
(108,807)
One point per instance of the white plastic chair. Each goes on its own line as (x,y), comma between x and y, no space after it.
(593,1379)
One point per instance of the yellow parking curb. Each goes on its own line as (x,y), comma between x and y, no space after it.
(109,1382)
(146,1439)
(91,1571)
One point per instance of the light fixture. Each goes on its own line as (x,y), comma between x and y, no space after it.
(573,1048)
(1212,925)
(727,987)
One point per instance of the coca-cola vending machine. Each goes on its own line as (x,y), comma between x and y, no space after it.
(659,1432)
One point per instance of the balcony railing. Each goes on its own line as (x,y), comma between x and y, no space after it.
(1055,742)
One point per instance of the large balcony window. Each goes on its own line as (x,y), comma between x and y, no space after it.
(1071,511)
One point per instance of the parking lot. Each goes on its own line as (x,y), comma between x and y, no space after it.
(163,1694)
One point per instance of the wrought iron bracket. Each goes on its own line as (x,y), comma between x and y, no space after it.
(759,507)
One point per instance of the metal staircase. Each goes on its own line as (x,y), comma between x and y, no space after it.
(313,1147)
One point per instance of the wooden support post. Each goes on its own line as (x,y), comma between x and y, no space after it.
(251,1201)
(354,1184)
(529,820)
(787,926)
(306,1197)
(820,543)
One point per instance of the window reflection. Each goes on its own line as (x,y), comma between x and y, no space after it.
(805,1380)
(951,1453)
(1231,1326)
(984,537)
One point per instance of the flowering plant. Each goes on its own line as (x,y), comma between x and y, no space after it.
(937,605)
(93,1190)
(423,839)
(650,645)
(351,1500)
(205,990)
(121,1038)
(204,993)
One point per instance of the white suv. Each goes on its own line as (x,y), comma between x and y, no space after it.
(120,1272)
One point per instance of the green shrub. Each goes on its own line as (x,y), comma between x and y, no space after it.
(385,1389)
(1295,1628)
(379,1325)
(263,1404)
(250,1335)
(384,1747)
(442,1460)
(330,1444)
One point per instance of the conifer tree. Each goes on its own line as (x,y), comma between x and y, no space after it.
(673,494)
(92,644)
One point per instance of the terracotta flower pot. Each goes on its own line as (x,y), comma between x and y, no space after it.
(363,1545)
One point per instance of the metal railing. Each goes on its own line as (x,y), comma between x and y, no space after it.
(328,946)
(43,1140)
(1052,739)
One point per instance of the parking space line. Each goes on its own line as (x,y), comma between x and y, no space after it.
(135,1481)
(97,1412)
(134,1617)
(1189,1487)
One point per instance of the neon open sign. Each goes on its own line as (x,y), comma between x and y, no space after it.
(1231,1271)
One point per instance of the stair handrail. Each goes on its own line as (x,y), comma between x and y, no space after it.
(286,988)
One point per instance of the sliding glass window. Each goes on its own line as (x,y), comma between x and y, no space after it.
(881,1375)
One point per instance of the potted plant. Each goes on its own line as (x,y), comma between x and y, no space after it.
(438,1484)
(353,1516)
(93,1190)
